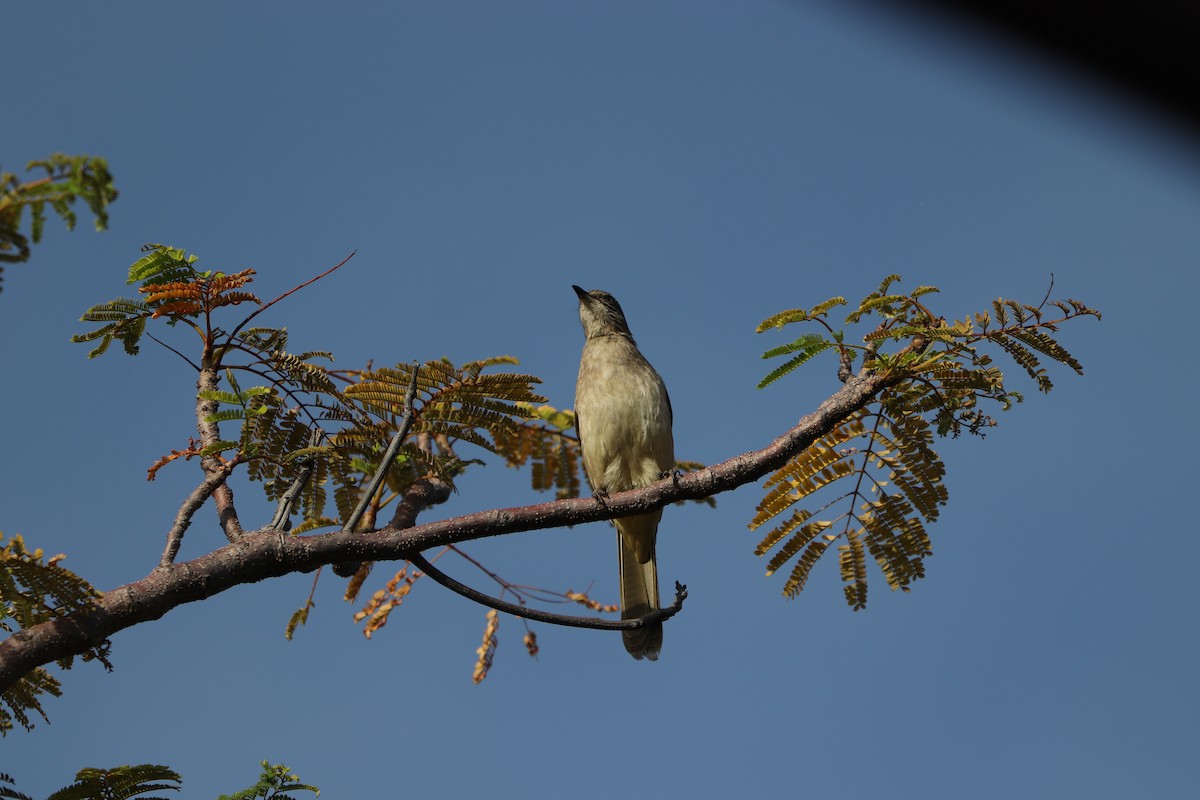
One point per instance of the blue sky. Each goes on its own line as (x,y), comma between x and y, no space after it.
(708,167)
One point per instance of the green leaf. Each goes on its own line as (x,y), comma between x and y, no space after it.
(119,783)
(814,347)
(805,342)
(226,415)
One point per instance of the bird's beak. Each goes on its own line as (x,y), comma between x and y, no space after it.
(583,295)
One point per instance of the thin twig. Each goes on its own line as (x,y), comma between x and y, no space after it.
(345,569)
(194,365)
(521,590)
(293,290)
(388,457)
(1049,289)
(503,583)
(284,510)
(657,615)
(313,591)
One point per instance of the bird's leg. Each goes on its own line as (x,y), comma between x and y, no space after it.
(600,495)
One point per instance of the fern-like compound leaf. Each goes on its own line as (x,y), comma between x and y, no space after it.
(801,539)
(124,319)
(799,576)
(542,443)
(162,264)
(1026,360)
(884,303)
(226,415)
(120,783)
(807,351)
(853,563)
(799,517)
(804,343)
(1048,346)
(33,590)
(9,793)
(800,315)
(221,446)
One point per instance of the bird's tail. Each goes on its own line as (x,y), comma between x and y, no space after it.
(639,596)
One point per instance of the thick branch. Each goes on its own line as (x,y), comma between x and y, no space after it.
(259,555)
(420,495)
(210,434)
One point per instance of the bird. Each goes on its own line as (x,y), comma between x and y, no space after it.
(623,418)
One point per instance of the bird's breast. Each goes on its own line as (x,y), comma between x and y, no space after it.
(624,417)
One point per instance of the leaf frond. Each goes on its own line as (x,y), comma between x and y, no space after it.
(119,783)
(807,350)
(799,315)
(34,590)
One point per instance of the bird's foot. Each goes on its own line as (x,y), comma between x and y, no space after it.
(600,495)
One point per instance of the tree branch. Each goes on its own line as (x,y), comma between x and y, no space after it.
(193,364)
(233,334)
(389,456)
(258,555)
(193,502)
(657,615)
(283,511)
(210,434)
(345,569)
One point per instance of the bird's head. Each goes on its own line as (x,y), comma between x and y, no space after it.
(601,314)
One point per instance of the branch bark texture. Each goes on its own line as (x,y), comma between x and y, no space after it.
(257,555)
(210,434)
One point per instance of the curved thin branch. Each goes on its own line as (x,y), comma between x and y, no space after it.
(258,555)
(657,615)
(193,364)
(262,308)
(1049,289)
